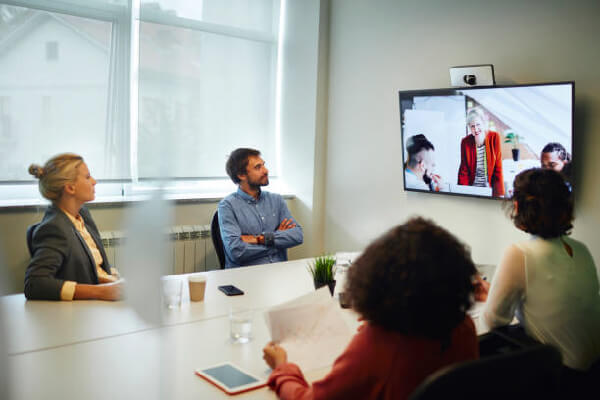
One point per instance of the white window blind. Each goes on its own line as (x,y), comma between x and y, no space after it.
(142,89)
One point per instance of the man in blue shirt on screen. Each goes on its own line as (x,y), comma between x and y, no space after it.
(256,225)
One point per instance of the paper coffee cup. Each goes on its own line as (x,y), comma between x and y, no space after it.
(197,286)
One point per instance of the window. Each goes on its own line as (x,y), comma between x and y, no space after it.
(52,51)
(58,106)
(4,118)
(206,83)
(142,90)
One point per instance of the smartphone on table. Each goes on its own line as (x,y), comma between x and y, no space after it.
(230,290)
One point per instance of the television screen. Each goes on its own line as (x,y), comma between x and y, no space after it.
(473,141)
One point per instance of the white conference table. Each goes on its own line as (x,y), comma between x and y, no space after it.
(48,324)
(104,350)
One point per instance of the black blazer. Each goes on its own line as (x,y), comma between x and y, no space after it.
(60,254)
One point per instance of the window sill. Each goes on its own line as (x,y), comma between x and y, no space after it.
(176,196)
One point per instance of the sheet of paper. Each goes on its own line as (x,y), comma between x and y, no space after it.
(311,329)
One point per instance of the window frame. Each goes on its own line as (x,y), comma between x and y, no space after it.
(123,103)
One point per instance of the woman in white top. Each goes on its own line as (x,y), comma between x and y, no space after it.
(548,282)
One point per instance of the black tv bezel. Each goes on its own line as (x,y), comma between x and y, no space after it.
(453,90)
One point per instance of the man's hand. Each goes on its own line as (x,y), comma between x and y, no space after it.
(286,224)
(249,239)
(274,355)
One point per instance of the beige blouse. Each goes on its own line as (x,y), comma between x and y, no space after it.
(68,289)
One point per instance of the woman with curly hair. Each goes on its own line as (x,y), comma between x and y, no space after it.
(548,281)
(412,287)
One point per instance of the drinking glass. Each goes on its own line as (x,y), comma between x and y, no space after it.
(171,288)
(240,323)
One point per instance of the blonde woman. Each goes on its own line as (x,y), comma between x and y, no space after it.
(481,155)
(68,261)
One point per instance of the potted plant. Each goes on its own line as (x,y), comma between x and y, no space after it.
(513,138)
(322,270)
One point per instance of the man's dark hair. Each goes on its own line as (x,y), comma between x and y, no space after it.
(558,148)
(544,203)
(414,145)
(238,162)
(416,279)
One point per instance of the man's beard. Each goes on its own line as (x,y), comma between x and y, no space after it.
(257,184)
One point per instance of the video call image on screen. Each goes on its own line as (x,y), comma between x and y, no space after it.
(474,141)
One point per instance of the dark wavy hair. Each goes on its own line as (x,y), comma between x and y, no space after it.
(238,162)
(416,279)
(544,203)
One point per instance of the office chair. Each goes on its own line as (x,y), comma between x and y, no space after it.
(504,339)
(533,372)
(30,231)
(215,233)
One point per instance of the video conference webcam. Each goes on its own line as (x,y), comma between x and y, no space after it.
(470,80)
(472,75)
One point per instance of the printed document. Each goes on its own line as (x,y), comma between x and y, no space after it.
(310,328)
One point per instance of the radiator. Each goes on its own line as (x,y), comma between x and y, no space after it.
(191,246)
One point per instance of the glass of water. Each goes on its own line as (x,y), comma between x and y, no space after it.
(172,287)
(240,325)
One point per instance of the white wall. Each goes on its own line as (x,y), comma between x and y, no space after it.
(380,47)
(304,85)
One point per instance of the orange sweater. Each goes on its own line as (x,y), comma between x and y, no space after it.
(378,364)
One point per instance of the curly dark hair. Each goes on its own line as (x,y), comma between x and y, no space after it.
(416,279)
(238,162)
(558,148)
(544,203)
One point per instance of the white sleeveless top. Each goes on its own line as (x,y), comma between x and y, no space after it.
(559,302)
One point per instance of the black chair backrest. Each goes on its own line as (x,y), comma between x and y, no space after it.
(215,233)
(533,372)
(30,231)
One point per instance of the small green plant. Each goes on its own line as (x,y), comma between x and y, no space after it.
(513,138)
(322,269)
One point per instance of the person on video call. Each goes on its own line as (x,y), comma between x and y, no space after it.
(418,170)
(256,225)
(411,287)
(481,155)
(554,156)
(549,282)
(68,261)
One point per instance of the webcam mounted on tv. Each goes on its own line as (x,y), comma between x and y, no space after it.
(472,75)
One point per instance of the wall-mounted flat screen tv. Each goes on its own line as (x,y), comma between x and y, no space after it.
(473,141)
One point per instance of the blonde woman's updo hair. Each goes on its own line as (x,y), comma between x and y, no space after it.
(56,173)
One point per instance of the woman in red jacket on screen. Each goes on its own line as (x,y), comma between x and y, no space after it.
(481,155)
(412,287)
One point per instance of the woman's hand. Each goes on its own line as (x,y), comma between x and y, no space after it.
(482,287)
(106,291)
(111,291)
(107,279)
(274,355)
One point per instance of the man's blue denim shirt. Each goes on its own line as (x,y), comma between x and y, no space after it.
(242,214)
